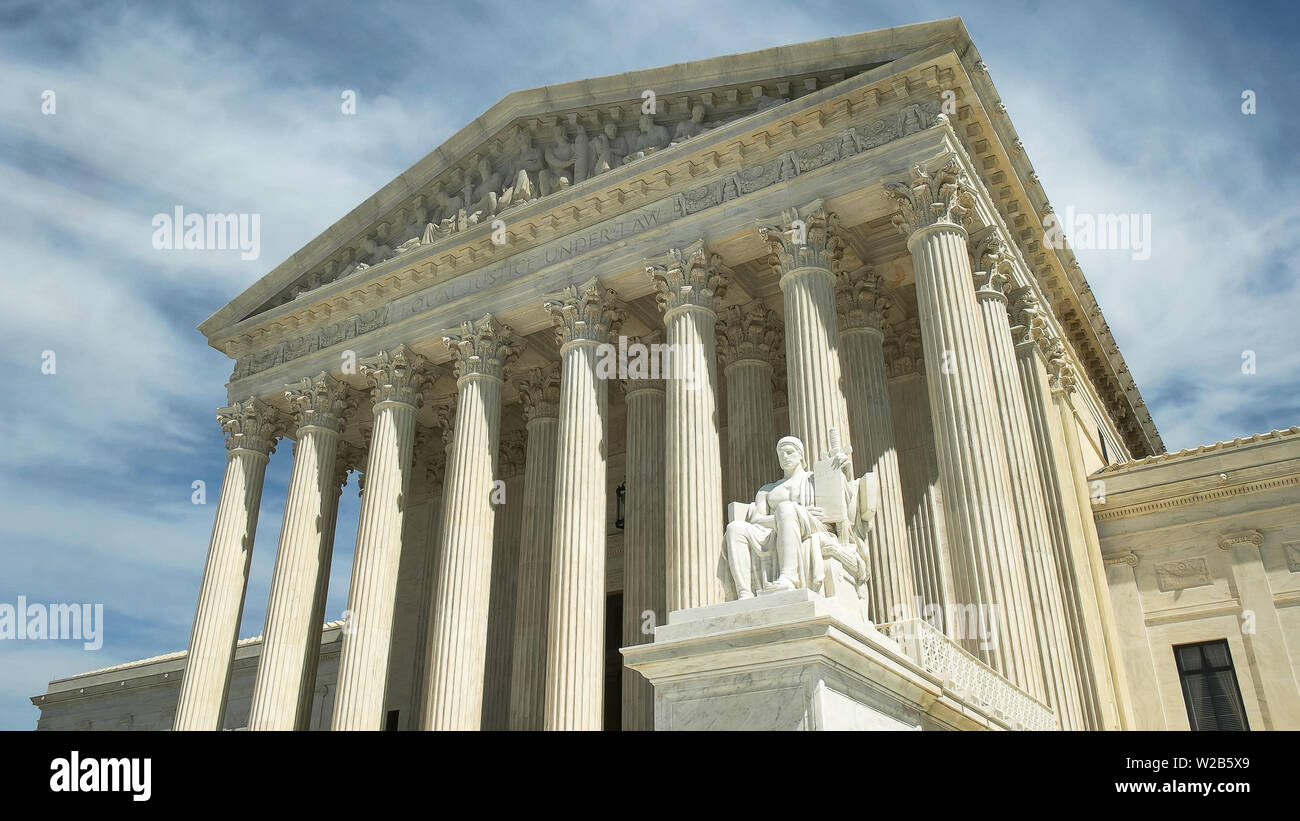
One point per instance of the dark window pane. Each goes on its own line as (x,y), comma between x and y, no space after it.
(1189,658)
(1210,687)
(1216,655)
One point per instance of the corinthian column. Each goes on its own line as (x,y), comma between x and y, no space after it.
(803,249)
(585,317)
(749,343)
(688,282)
(1060,508)
(1061,678)
(303,557)
(397,377)
(539,395)
(435,453)
(918,471)
(980,509)
(643,538)
(1090,573)
(862,306)
(251,429)
(509,503)
(459,634)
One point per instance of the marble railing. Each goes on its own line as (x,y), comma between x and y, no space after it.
(968,677)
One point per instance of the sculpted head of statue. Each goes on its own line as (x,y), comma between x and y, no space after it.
(789,453)
(611,130)
(647,122)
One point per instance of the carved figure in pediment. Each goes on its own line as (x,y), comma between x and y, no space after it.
(581,157)
(692,127)
(911,120)
(651,138)
(412,236)
(608,150)
(528,164)
(484,196)
(559,163)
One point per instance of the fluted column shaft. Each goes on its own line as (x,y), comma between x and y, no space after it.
(363,662)
(307,691)
(866,385)
(575,652)
(533,594)
(812,360)
(972,453)
(1061,678)
(575,632)
(1116,712)
(688,281)
(692,448)
(1061,507)
(250,436)
(644,602)
(751,437)
(918,472)
(459,636)
(422,672)
(301,562)
(501,618)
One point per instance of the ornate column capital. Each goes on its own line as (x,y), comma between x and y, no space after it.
(512,449)
(803,238)
(251,425)
(539,391)
(397,375)
(585,313)
(483,347)
(904,354)
(689,277)
(349,458)
(1128,557)
(941,197)
(996,269)
(444,418)
(647,358)
(321,402)
(1061,375)
(749,331)
(861,299)
(1026,316)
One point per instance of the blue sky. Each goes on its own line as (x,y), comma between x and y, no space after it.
(234,107)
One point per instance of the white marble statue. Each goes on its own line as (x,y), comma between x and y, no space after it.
(799,524)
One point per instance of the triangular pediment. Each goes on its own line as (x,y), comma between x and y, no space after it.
(561,135)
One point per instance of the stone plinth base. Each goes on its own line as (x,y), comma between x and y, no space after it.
(791,661)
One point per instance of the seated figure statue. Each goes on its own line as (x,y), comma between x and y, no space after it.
(785,540)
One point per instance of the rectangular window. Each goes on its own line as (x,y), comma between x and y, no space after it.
(390,722)
(1210,686)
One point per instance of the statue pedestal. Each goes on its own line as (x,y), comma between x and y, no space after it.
(793,660)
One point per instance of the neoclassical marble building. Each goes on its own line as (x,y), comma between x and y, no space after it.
(840,240)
